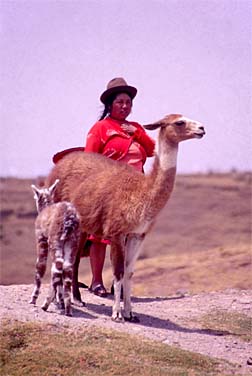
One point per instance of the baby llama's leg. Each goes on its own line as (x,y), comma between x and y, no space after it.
(69,249)
(42,252)
(56,278)
(59,299)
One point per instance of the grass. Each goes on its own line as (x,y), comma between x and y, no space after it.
(213,270)
(237,324)
(36,349)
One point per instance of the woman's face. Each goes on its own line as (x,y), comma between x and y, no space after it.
(121,107)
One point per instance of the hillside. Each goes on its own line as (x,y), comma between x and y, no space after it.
(201,240)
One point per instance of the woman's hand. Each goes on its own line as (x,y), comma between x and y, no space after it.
(129,128)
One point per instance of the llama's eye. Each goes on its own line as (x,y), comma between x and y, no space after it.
(180,123)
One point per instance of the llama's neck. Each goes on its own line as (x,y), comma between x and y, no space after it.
(163,175)
(167,154)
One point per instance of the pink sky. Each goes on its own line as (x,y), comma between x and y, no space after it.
(186,56)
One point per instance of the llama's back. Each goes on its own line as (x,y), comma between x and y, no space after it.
(96,171)
(58,221)
(102,190)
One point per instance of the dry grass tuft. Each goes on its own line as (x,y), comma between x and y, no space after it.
(237,324)
(30,349)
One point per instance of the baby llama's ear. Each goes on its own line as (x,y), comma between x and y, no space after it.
(53,186)
(36,191)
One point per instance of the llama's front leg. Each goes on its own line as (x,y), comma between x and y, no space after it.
(132,249)
(42,251)
(117,260)
(116,309)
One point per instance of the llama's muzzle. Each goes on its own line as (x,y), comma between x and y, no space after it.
(200,132)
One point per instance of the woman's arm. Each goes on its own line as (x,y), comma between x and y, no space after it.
(93,141)
(139,135)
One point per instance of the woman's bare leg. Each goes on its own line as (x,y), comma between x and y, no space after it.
(97,258)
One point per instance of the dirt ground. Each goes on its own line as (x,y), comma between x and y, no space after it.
(174,320)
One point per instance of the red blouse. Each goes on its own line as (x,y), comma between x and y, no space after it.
(108,138)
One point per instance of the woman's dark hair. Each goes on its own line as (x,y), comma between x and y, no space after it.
(108,104)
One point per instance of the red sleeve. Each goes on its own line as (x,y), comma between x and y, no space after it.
(144,140)
(93,142)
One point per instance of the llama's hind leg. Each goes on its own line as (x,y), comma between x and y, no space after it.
(57,272)
(42,251)
(50,297)
(59,300)
(67,282)
(132,249)
(70,248)
(56,285)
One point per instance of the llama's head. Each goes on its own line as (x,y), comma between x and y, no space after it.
(44,196)
(177,128)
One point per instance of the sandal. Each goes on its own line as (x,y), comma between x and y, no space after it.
(99,290)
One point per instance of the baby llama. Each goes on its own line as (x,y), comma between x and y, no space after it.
(57,229)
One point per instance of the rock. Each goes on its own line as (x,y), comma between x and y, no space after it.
(249,361)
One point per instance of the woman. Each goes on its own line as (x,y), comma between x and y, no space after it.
(121,140)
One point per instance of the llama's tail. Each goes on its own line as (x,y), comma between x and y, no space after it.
(70,223)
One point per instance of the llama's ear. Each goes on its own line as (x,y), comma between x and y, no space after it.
(53,186)
(35,190)
(153,126)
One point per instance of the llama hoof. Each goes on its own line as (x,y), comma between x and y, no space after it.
(44,308)
(62,306)
(132,318)
(59,305)
(32,301)
(82,285)
(68,310)
(117,317)
(79,303)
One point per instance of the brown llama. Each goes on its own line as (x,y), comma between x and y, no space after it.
(116,202)
(57,230)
